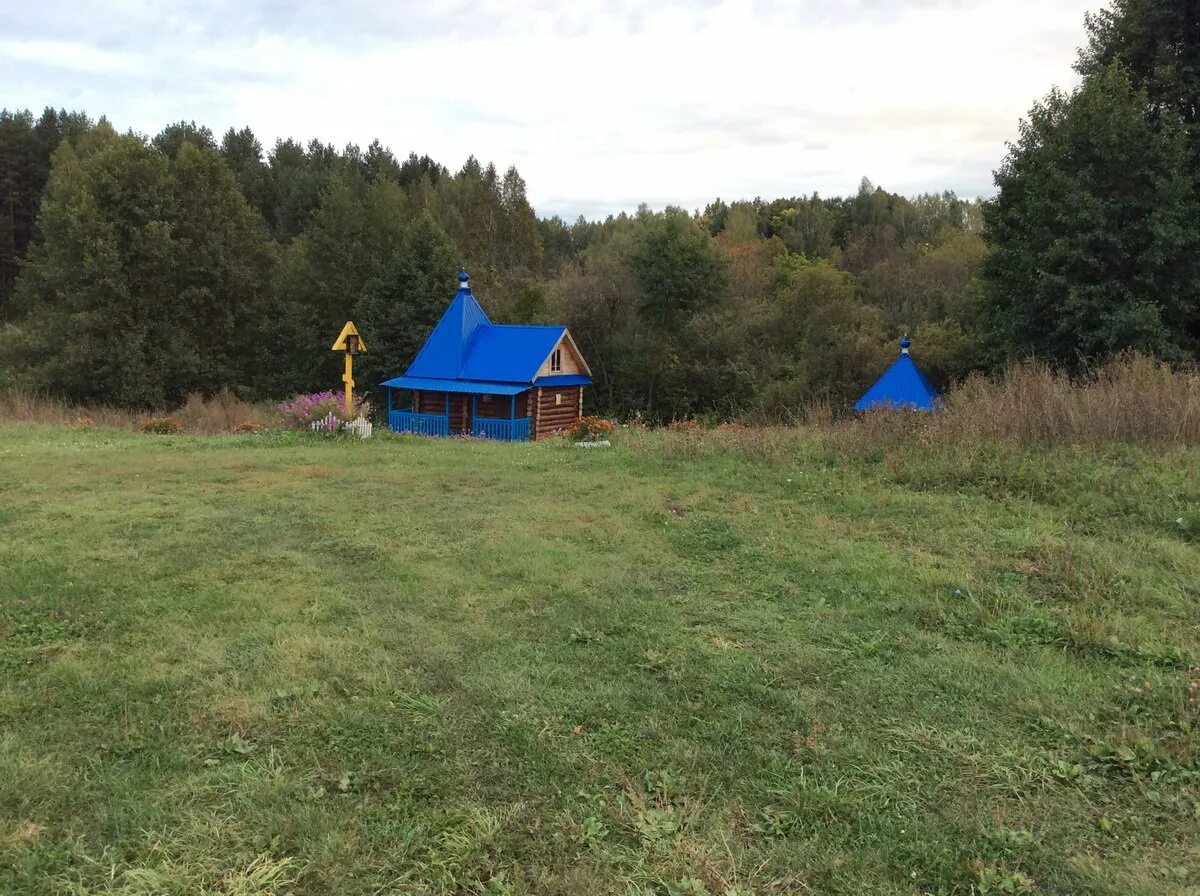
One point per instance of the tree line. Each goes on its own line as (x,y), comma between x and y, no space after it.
(135,270)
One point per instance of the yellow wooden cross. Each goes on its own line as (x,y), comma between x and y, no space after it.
(351,343)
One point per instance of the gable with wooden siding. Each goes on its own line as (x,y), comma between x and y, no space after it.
(569,360)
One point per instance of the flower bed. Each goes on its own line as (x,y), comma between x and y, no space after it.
(590,430)
(325,408)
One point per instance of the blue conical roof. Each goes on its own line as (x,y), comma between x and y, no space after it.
(445,350)
(902,386)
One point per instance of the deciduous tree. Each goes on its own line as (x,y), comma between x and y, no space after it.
(1094,229)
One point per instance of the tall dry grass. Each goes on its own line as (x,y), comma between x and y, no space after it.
(1132,399)
(23,406)
(222,412)
(219,413)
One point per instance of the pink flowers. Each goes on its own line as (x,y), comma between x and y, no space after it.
(302,410)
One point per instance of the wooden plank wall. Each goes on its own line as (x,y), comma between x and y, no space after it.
(571,362)
(499,407)
(556,409)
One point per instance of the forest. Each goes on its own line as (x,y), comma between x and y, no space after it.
(138,270)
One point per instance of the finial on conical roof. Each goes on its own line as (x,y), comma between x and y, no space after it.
(463,278)
(904,344)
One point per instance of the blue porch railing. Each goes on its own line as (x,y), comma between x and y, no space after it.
(419,424)
(502,430)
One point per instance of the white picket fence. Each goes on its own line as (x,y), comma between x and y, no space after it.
(331,423)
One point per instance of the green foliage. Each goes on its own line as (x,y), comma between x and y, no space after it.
(172,138)
(673,323)
(750,309)
(357,229)
(401,305)
(1094,230)
(297,179)
(244,155)
(150,280)
(678,270)
(1095,227)
(1158,43)
(26,145)
(824,341)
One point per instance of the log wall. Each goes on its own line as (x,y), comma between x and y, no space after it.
(460,413)
(556,408)
(498,407)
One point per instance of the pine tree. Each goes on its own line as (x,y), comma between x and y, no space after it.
(380,164)
(26,147)
(398,308)
(148,279)
(522,245)
(296,183)
(171,138)
(244,155)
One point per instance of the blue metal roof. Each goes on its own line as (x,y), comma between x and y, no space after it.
(443,353)
(902,386)
(509,352)
(564,379)
(476,387)
(466,346)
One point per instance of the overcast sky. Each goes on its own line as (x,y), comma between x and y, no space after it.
(601,105)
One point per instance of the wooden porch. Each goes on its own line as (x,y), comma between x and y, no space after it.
(531,414)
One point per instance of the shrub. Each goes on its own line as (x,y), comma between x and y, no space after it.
(590,429)
(301,411)
(248,426)
(161,426)
(222,412)
(684,425)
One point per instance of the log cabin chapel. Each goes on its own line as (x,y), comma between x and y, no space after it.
(511,382)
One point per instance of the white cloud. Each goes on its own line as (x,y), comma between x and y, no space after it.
(68,56)
(600,105)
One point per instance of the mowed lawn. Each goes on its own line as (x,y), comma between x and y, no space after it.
(686,665)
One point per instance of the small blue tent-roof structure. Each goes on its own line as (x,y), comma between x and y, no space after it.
(902,387)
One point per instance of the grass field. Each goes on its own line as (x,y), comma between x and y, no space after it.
(741,663)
